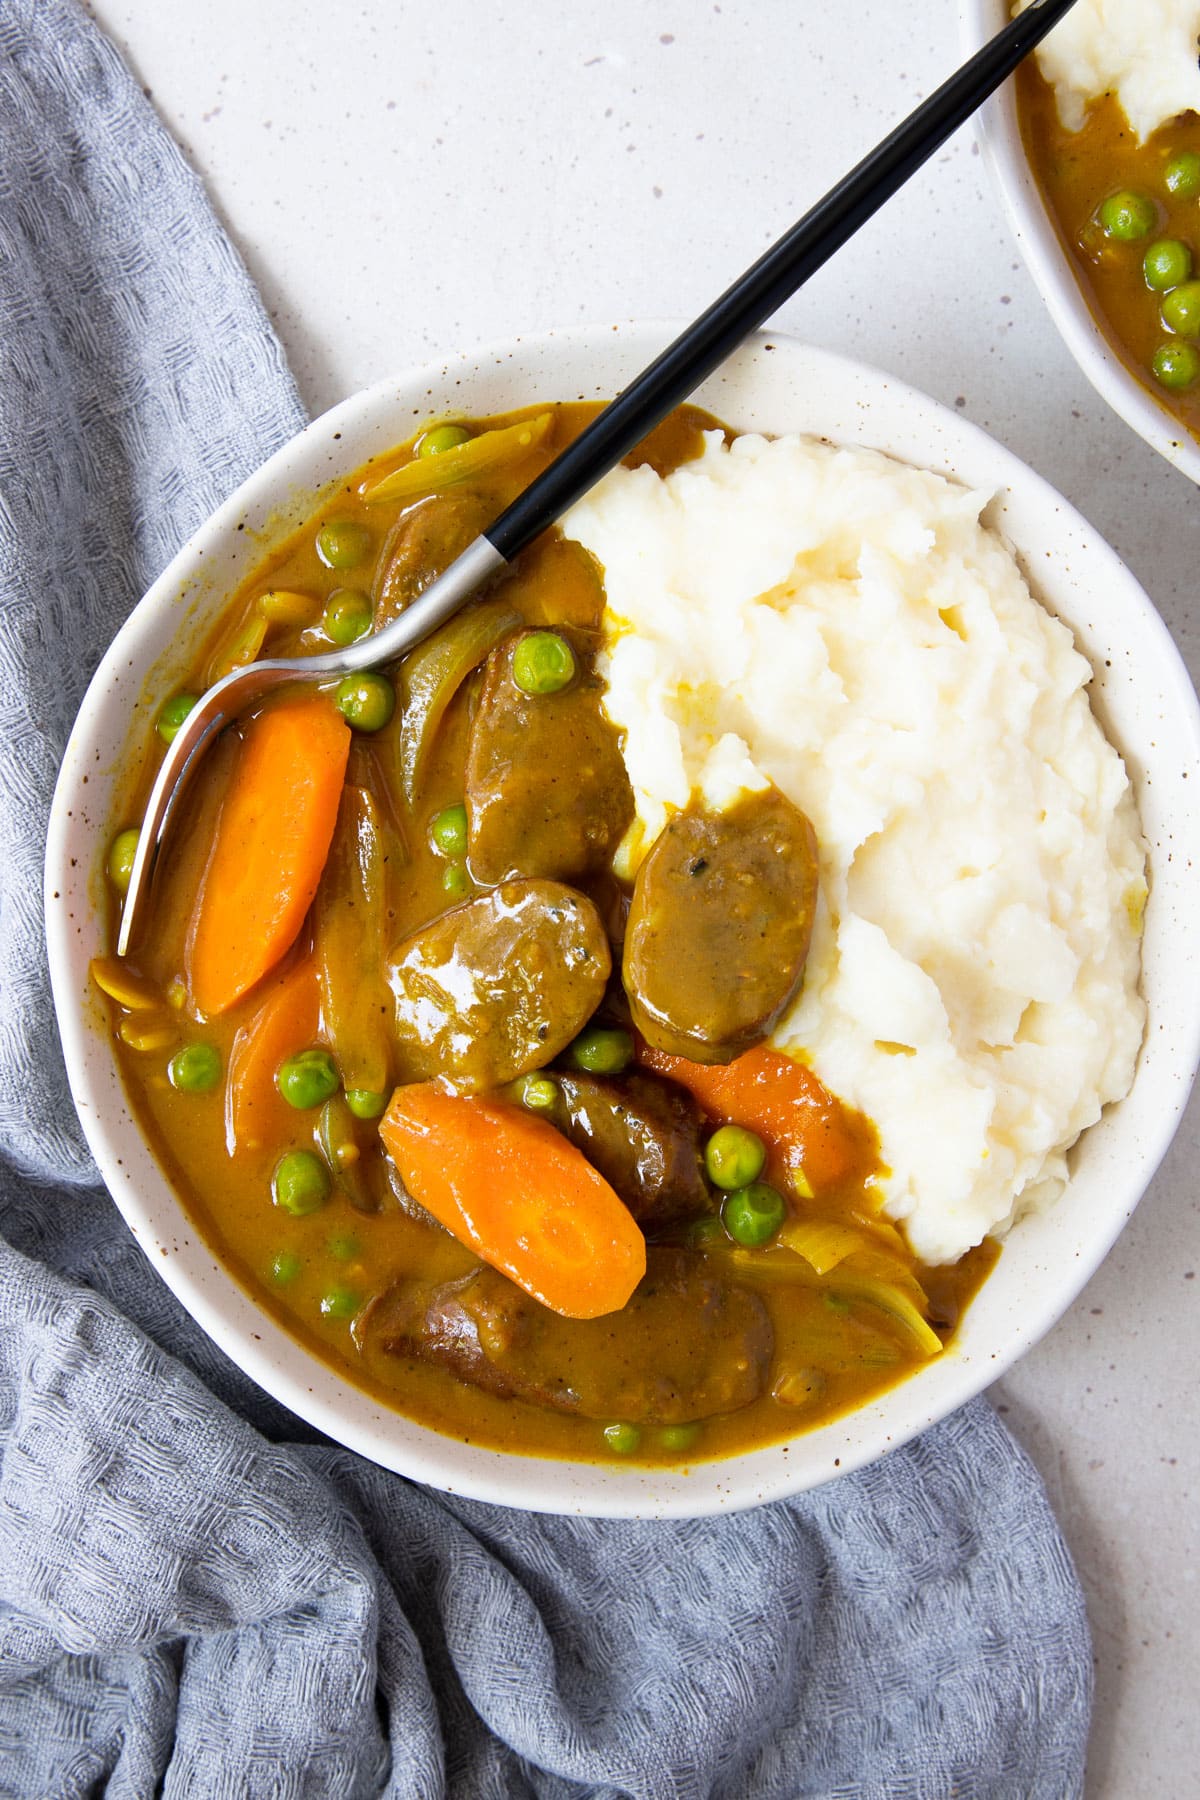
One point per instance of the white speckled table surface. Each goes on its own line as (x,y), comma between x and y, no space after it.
(407,178)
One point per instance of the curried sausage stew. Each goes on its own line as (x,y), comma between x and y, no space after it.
(492,1130)
(1125,196)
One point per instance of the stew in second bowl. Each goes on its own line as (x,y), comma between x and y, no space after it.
(1108,114)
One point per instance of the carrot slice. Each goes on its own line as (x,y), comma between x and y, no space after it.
(784,1102)
(273,836)
(519,1195)
(288,1020)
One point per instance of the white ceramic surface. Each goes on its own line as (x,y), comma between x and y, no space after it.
(1141,691)
(1051,268)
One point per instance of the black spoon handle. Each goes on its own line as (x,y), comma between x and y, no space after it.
(764,287)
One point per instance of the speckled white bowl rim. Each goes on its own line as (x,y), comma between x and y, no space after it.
(776,384)
(1000,139)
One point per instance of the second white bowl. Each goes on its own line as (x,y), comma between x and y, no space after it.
(1050,266)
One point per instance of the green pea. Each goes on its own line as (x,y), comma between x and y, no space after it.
(1176,365)
(1181,177)
(448,831)
(348,615)
(441,437)
(679,1437)
(365,701)
(344,1245)
(623,1439)
(1166,263)
(342,543)
(456,883)
(340,1303)
(300,1183)
(602,1050)
(538,1092)
(121,853)
(285,1267)
(308,1079)
(196,1069)
(734,1157)
(707,1230)
(1127,216)
(543,663)
(172,714)
(1181,309)
(753,1214)
(365,1103)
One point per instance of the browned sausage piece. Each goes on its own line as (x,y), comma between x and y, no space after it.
(497,987)
(421,545)
(719,927)
(643,1134)
(547,792)
(688,1345)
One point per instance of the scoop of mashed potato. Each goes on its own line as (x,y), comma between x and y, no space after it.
(1143,51)
(844,625)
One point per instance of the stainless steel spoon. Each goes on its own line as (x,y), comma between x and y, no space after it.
(680,369)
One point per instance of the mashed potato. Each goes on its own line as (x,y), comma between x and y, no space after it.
(843,625)
(1143,51)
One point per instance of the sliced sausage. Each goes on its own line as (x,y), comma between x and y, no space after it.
(643,1134)
(499,986)
(719,927)
(688,1345)
(547,792)
(421,545)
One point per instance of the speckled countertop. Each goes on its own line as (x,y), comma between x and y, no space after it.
(403,178)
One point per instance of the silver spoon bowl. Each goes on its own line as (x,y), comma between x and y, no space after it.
(235,693)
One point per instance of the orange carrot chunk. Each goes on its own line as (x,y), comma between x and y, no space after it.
(273,836)
(518,1194)
(287,1021)
(783,1101)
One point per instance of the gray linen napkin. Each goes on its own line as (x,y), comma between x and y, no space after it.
(199,1597)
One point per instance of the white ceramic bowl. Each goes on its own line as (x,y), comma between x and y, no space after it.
(1050,266)
(774,384)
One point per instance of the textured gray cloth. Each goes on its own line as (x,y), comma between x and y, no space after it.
(200,1598)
